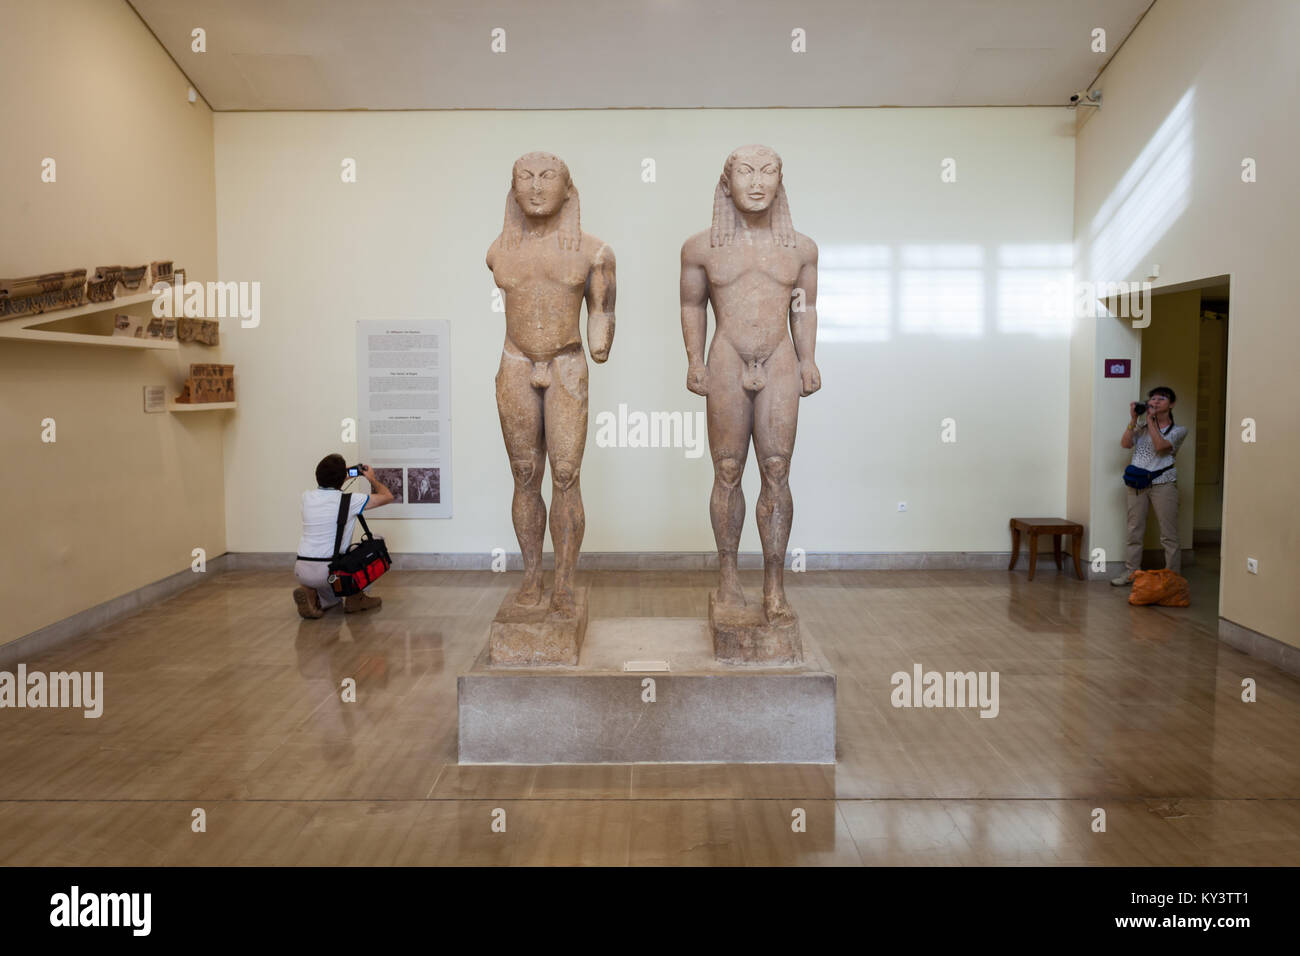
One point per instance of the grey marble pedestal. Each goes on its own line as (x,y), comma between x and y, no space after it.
(599,712)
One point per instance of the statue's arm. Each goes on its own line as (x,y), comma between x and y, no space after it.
(803,324)
(600,304)
(694,300)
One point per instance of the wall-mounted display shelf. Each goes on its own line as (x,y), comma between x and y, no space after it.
(23,327)
(200,406)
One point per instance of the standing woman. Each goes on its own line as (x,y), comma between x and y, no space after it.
(1152,479)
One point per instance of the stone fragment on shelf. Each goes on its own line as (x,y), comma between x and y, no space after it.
(49,292)
(201,331)
(132,278)
(102,286)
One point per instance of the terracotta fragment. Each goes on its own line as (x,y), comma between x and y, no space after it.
(208,383)
(132,278)
(102,286)
(202,331)
(160,272)
(31,295)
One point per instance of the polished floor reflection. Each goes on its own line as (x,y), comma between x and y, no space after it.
(221,698)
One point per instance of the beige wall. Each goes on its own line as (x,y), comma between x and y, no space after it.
(121,498)
(931,306)
(1213,341)
(1198,87)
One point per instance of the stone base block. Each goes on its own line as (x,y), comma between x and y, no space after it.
(696,711)
(528,636)
(742,636)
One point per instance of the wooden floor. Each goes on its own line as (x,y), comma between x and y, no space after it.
(221,698)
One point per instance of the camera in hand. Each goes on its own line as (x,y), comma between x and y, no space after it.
(1140,408)
(355,471)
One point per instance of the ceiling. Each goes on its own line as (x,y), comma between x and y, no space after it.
(435,54)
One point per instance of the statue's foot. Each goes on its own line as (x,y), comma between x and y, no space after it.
(776,609)
(562,602)
(530,593)
(730,594)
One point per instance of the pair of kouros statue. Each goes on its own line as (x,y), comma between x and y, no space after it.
(761,278)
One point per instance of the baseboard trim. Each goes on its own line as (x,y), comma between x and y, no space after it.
(52,636)
(670,561)
(1278,653)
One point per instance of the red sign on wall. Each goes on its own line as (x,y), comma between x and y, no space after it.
(1118,368)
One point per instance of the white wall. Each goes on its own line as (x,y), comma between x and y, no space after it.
(1198,87)
(932,307)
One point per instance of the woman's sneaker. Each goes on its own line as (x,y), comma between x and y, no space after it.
(308,602)
(1123,580)
(360,602)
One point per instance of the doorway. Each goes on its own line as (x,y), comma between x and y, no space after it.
(1185,348)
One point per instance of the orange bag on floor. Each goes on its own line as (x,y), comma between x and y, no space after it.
(1162,587)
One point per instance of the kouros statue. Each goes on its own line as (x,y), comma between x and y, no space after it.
(761,277)
(545,266)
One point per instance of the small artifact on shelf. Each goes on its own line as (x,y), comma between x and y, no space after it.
(202,331)
(169,328)
(155,329)
(160,272)
(131,326)
(102,286)
(208,383)
(132,278)
(31,295)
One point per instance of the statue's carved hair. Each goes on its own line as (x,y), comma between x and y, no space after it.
(725,214)
(569,235)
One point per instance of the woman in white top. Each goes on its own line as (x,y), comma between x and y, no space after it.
(1155,443)
(320,517)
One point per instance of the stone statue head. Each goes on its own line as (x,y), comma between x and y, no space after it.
(750,182)
(540,187)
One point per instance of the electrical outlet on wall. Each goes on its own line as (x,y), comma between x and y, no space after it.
(1252,566)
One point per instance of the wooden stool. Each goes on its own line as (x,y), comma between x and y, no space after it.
(1053,526)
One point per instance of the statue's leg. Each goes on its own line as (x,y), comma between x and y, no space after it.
(731,417)
(566,439)
(776,414)
(520,407)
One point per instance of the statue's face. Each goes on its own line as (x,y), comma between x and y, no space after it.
(755,176)
(540,186)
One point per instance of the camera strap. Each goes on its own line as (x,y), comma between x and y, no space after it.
(344,501)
